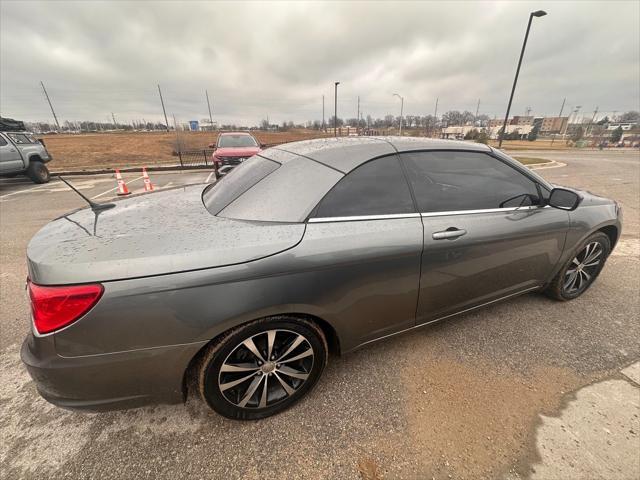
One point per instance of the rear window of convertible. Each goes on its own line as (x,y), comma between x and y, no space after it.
(269,191)
(236,182)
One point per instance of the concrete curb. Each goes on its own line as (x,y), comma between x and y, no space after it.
(167,168)
(542,166)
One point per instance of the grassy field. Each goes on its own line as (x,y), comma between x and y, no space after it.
(121,150)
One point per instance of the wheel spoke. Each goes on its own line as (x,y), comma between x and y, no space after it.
(293,373)
(576,262)
(271,338)
(568,285)
(593,264)
(238,368)
(587,277)
(265,389)
(594,254)
(299,339)
(253,349)
(228,385)
(250,391)
(305,354)
(284,384)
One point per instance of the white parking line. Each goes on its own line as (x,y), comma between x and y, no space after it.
(209,177)
(37,187)
(113,189)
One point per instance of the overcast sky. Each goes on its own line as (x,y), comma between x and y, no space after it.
(278,59)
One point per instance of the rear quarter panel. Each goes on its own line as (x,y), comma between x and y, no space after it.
(313,278)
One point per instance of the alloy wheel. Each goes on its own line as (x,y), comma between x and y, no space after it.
(266,368)
(583,268)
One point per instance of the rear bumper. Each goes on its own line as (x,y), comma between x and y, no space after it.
(110,381)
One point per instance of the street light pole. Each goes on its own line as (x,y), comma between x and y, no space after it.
(538,13)
(335,109)
(401,109)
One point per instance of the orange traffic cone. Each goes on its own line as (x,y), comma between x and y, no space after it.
(122,187)
(148,186)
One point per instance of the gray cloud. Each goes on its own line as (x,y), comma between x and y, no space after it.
(278,59)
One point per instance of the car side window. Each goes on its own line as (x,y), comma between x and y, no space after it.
(448,181)
(3,142)
(377,187)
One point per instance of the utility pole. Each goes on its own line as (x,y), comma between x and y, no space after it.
(435,116)
(528,111)
(175,127)
(358,115)
(475,119)
(560,117)
(401,109)
(323,126)
(574,113)
(335,109)
(166,122)
(209,107)
(114,121)
(50,106)
(590,126)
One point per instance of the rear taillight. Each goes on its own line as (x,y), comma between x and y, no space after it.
(57,307)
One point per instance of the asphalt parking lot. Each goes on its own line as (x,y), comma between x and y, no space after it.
(484,395)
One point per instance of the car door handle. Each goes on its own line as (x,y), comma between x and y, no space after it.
(449,233)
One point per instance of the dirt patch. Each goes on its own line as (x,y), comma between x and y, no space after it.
(476,420)
(121,150)
(369,469)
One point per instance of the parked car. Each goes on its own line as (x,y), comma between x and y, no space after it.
(22,153)
(241,288)
(233,148)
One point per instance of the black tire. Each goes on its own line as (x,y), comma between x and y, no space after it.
(230,351)
(38,172)
(558,288)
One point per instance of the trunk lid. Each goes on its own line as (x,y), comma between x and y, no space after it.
(164,232)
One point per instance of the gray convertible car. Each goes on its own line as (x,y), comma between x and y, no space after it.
(242,288)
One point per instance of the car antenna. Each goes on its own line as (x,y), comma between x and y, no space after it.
(96,207)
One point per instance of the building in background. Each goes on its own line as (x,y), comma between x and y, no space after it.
(521,120)
(521,130)
(552,125)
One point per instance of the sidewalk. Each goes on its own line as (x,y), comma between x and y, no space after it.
(596,436)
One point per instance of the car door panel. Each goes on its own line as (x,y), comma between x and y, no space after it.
(365,273)
(502,253)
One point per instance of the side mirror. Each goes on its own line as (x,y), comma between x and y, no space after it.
(564,199)
(212,145)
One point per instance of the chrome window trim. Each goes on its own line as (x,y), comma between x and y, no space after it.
(356,218)
(486,210)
